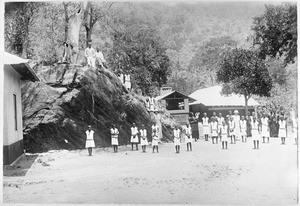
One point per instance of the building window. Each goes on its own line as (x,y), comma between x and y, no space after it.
(175,104)
(15,112)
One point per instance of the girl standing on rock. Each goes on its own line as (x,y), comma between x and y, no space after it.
(255,132)
(144,141)
(89,144)
(176,133)
(134,136)
(224,132)
(114,137)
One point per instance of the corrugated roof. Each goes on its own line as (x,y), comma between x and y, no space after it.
(212,96)
(169,93)
(21,66)
(13,59)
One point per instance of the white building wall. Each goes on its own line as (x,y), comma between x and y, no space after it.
(11,86)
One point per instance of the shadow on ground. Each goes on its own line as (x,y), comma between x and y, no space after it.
(21,167)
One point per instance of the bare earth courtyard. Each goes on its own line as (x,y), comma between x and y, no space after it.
(207,175)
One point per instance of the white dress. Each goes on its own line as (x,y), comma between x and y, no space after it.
(231,128)
(134,135)
(176,137)
(236,119)
(89,139)
(152,103)
(121,77)
(243,125)
(264,127)
(254,130)
(205,125)
(214,129)
(114,136)
(220,120)
(155,138)
(144,140)
(127,82)
(282,129)
(188,134)
(224,133)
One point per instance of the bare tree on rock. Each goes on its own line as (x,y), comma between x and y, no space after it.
(74,25)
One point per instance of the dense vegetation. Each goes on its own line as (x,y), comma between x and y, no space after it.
(181,44)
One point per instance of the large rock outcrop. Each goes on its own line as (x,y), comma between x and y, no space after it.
(57,110)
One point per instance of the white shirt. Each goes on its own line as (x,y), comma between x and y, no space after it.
(89,52)
(134,130)
(282,124)
(114,131)
(243,124)
(89,134)
(214,126)
(99,56)
(176,133)
(220,120)
(205,121)
(188,130)
(127,78)
(143,132)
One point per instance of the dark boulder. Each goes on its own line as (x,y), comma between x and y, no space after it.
(57,110)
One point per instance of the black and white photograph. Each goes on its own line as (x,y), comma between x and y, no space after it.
(149,102)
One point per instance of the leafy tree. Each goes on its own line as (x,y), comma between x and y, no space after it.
(243,72)
(139,51)
(276,32)
(19,16)
(95,11)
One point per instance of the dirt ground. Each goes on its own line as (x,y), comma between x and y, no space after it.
(207,175)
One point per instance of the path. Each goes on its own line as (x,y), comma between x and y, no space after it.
(208,175)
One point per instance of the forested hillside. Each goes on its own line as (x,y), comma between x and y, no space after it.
(176,43)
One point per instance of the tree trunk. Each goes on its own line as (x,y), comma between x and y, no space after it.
(88,35)
(88,23)
(246,105)
(26,40)
(74,26)
(66,21)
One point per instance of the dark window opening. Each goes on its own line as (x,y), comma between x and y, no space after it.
(175,104)
(15,112)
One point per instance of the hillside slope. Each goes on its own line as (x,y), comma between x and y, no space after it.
(57,110)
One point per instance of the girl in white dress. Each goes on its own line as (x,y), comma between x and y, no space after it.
(89,144)
(243,128)
(231,125)
(114,137)
(205,124)
(220,122)
(223,131)
(144,141)
(255,132)
(154,138)
(265,128)
(236,119)
(188,137)
(134,136)
(176,133)
(127,82)
(214,130)
(282,129)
